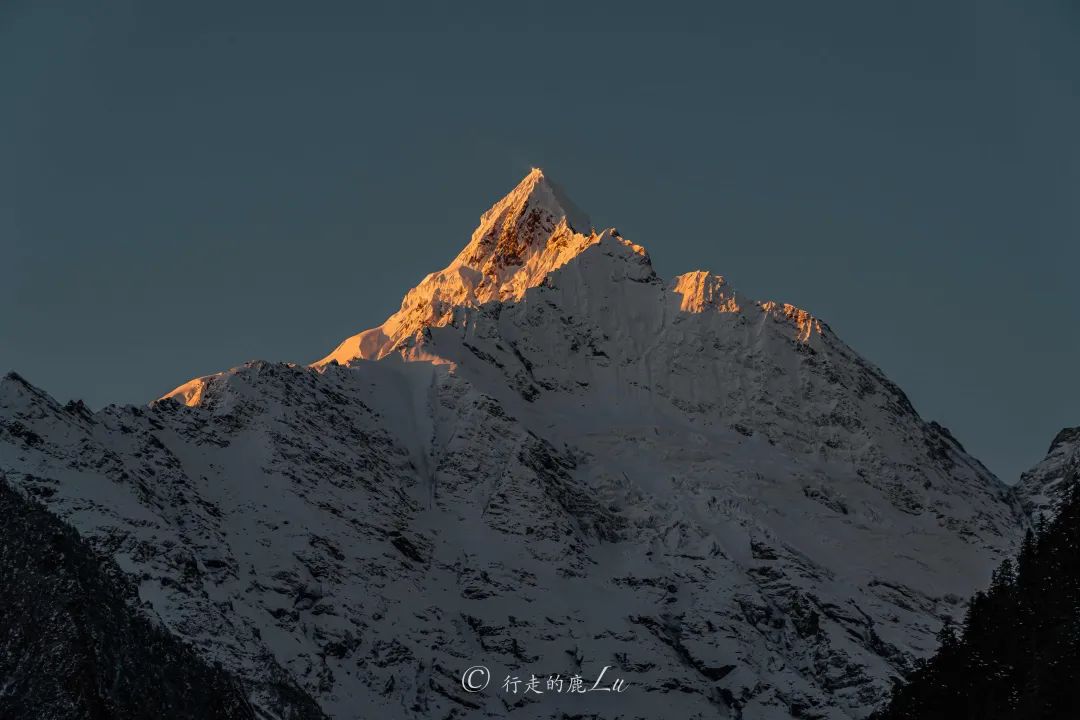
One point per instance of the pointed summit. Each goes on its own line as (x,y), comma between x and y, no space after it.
(521,223)
(531,231)
(539,193)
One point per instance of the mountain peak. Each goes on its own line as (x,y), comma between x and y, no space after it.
(536,193)
(538,190)
(1067,435)
(521,224)
(523,237)
(530,233)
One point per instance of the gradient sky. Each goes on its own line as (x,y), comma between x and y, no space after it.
(186,186)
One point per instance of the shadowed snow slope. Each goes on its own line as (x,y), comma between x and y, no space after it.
(547,461)
(1041,487)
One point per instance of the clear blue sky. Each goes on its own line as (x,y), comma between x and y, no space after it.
(186,186)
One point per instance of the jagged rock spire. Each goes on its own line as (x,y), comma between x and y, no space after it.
(531,231)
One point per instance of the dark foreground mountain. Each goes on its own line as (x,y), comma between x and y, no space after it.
(549,461)
(1017,654)
(72,646)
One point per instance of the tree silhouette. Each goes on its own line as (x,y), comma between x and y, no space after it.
(1017,655)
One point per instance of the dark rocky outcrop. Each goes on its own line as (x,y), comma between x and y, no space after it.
(71,645)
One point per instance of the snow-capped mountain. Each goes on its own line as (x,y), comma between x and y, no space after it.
(548,461)
(1040,487)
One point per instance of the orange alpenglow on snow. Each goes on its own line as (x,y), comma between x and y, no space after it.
(533,230)
(525,240)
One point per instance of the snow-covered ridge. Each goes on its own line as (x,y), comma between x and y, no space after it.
(521,240)
(1040,487)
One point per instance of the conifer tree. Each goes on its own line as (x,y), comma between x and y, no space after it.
(1017,656)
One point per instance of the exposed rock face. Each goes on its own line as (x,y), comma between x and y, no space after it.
(72,646)
(1040,487)
(550,460)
